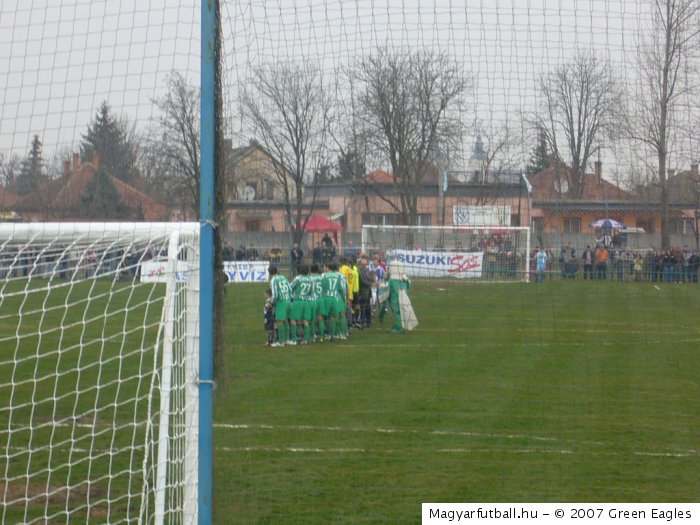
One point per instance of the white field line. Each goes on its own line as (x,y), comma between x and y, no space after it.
(669,454)
(380,430)
(475,450)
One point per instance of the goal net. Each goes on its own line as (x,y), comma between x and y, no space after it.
(475,253)
(98,327)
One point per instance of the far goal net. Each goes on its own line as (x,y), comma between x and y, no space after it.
(498,253)
(98,331)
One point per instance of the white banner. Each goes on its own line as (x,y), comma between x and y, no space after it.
(246,272)
(481,215)
(236,272)
(417,263)
(156,271)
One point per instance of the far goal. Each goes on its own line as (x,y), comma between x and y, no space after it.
(491,254)
(99,338)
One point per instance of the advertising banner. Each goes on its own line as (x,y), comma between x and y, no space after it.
(156,271)
(246,272)
(481,215)
(236,272)
(418,263)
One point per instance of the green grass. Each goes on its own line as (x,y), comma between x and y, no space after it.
(563,391)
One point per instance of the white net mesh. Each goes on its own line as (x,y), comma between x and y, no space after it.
(99,331)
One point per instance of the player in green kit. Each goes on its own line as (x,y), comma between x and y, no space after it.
(302,305)
(335,292)
(319,309)
(282,301)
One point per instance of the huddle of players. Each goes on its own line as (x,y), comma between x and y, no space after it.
(313,307)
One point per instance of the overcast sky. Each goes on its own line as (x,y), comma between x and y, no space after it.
(60,58)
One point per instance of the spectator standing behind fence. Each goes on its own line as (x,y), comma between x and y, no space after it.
(601,257)
(351,251)
(650,265)
(326,241)
(570,263)
(638,267)
(687,254)
(588,262)
(694,264)
(297,256)
(541,259)
(275,254)
(229,253)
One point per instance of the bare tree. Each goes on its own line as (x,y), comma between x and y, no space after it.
(288,110)
(10,168)
(501,152)
(174,153)
(409,102)
(581,107)
(663,65)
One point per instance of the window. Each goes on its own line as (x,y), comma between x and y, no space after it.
(270,190)
(379,219)
(680,226)
(572,224)
(423,219)
(537,224)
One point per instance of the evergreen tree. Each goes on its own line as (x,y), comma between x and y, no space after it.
(32,173)
(539,159)
(109,137)
(102,200)
(350,166)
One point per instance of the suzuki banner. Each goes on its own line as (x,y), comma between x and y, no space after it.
(417,263)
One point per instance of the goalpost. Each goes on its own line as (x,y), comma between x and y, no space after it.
(99,329)
(480,253)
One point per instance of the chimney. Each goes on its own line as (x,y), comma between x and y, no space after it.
(553,160)
(671,173)
(694,170)
(66,167)
(96,160)
(598,172)
(76,161)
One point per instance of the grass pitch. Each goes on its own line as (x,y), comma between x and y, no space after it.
(560,391)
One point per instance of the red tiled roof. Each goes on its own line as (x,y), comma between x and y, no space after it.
(544,184)
(60,198)
(379,177)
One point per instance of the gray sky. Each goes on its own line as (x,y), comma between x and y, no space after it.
(60,58)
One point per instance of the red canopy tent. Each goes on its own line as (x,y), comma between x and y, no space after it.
(317,223)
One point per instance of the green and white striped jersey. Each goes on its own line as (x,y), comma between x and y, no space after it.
(281,291)
(335,286)
(316,286)
(302,288)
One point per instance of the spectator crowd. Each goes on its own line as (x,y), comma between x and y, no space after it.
(619,263)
